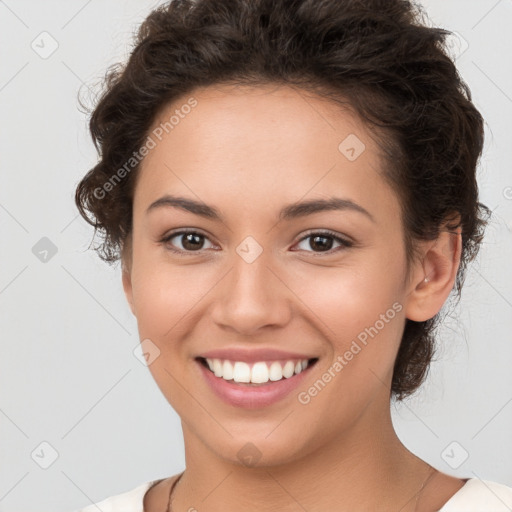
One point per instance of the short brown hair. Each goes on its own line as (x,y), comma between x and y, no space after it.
(394,70)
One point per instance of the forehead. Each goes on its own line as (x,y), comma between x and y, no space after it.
(267,114)
(249,141)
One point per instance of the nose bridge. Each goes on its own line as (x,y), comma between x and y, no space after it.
(252,296)
(251,278)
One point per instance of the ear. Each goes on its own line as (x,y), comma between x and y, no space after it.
(434,275)
(126,269)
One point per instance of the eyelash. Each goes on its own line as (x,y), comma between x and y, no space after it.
(345,244)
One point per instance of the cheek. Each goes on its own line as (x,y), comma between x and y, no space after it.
(167,295)
(346,298)
(359,311)
(362,322)
(341,301)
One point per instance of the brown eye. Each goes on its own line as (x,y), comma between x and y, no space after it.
(190,241)
(323,242)
(193,241)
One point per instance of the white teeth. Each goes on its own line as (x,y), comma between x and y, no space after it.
(217,368)
(288,369)
(227,370)
(259,373)
(276,371)
(241,372)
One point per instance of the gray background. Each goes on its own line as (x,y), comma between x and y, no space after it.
(68,374)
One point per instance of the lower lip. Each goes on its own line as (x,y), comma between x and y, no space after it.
(251,397)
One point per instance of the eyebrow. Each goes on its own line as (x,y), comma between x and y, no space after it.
(289,212)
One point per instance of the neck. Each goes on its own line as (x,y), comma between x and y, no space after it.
(336,475)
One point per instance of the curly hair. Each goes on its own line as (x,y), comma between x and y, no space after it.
(394,70)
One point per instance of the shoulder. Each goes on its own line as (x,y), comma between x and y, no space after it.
(129,501)
(480,496)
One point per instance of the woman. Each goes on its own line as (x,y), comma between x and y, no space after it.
(291,189)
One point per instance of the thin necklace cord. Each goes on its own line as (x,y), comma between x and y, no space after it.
(429,476)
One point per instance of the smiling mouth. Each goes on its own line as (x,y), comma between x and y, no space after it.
(258,373)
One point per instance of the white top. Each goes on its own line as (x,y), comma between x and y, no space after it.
(475,496)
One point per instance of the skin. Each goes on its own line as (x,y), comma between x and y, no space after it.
(248,152)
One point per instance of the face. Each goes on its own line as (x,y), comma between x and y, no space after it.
(251,277)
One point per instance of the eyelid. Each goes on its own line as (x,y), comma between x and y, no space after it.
(319,231)
(165,239)
(346,242)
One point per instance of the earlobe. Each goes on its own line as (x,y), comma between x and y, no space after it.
(435,276)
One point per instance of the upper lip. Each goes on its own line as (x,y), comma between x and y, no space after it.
(253,355)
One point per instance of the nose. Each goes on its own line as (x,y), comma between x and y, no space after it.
(251,296)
